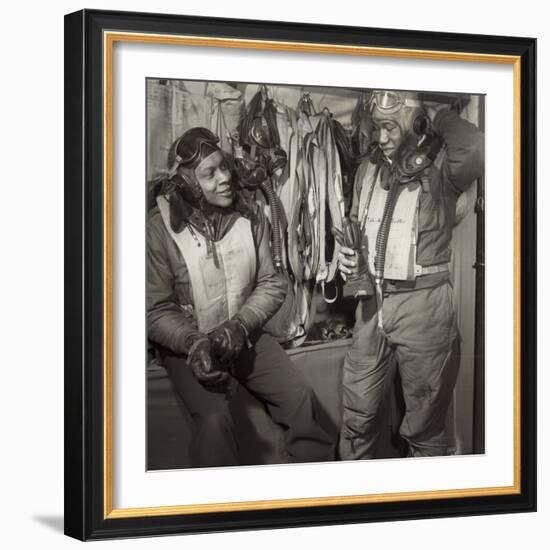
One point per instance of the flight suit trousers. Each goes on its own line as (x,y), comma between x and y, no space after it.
(419,336)
(266,372)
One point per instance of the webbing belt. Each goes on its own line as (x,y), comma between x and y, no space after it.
(430,269)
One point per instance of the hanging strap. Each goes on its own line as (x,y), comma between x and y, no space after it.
(335,197)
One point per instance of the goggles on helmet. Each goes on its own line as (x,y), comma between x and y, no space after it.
(188,148)
(388,102)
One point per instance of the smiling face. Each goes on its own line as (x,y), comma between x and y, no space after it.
(214,178)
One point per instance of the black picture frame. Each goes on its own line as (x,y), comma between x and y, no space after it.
(87,515)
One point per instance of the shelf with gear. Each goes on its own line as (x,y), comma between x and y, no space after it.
(295,150)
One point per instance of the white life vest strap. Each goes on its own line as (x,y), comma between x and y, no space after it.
(218,292)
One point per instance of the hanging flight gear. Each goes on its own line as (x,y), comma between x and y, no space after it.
(323,203)
(226,107)
(305,105)
(258,166)
(348,162)
(292,195)
(333,141)
(362,126)
(258,169)
(254,174)
(259,130)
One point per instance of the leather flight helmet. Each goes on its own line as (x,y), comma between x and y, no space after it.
(185,154)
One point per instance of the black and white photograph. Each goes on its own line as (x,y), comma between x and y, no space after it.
(270,275)
(300,276)
(314,273)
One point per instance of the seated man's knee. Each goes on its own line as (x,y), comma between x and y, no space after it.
(301,395)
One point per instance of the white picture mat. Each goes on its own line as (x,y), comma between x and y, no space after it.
(132,485)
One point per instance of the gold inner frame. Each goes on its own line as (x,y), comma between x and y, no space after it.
(109,39)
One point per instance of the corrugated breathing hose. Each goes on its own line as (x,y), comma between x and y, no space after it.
(274,206)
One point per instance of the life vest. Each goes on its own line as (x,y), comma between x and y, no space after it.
(400,261)
(218,292)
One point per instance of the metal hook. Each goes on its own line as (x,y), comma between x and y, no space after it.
(323,292)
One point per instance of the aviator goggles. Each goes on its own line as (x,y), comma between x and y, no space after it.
(188,147)
(387,101)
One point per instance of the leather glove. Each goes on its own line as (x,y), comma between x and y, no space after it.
(358,283)
(228,340)
(203,367)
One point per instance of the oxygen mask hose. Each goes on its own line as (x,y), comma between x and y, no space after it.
(382,242)
(253,174)
(272,199)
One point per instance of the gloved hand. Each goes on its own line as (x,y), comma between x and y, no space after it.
(352,260)
(203,367)
(228,340)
